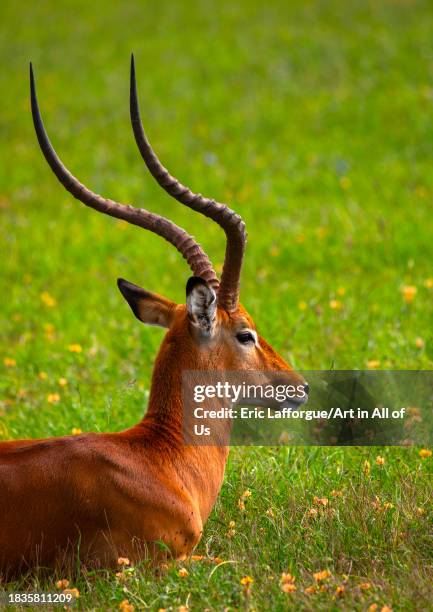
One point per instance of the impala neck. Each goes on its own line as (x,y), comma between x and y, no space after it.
(178,354)
(166,409)
(201,468)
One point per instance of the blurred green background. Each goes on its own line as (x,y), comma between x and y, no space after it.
(314,120)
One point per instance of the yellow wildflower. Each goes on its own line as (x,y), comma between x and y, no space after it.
(246,582)
(409,292)
(74,592)
(62,584)
(76,431)
(123,561)
(63,382)
(424,453)
(309,590)
(48,299)
(420,511)
(373,607)
(380,460)
(341,291)
(413,411)
(53,398)
(365,586)
(339,590)
(9,362)
(125,606)
(43,375)
(287,578)
(428,283)
(75,348)
(288,587)
(419,343)
(335,304)
(320,501)
(121,576)
(183,572)
(323,575)
(372,364)
(366,467)
(302,305)
(335,493)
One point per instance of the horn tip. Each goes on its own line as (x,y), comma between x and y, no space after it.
(32,83)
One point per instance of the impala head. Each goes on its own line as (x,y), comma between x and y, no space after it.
(211,330)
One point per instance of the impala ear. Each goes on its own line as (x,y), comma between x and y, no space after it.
(148,307)
(201,304)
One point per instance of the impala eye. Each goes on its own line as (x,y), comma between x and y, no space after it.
(245,337)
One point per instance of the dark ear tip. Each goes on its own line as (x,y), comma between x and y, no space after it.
(128,289)
(193,281)
(131,291)
(122,285)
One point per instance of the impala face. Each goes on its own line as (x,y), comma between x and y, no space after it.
(213,339)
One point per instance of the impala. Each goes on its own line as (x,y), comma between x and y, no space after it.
(142,491)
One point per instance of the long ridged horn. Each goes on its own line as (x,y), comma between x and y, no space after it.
(230,221)
(179,238)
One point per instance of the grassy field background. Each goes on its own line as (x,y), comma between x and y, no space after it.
(315,121)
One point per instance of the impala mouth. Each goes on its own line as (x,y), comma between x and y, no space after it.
(292,404)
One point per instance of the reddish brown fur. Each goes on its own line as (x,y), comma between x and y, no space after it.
(117,494)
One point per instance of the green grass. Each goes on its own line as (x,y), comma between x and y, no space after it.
(315,121)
